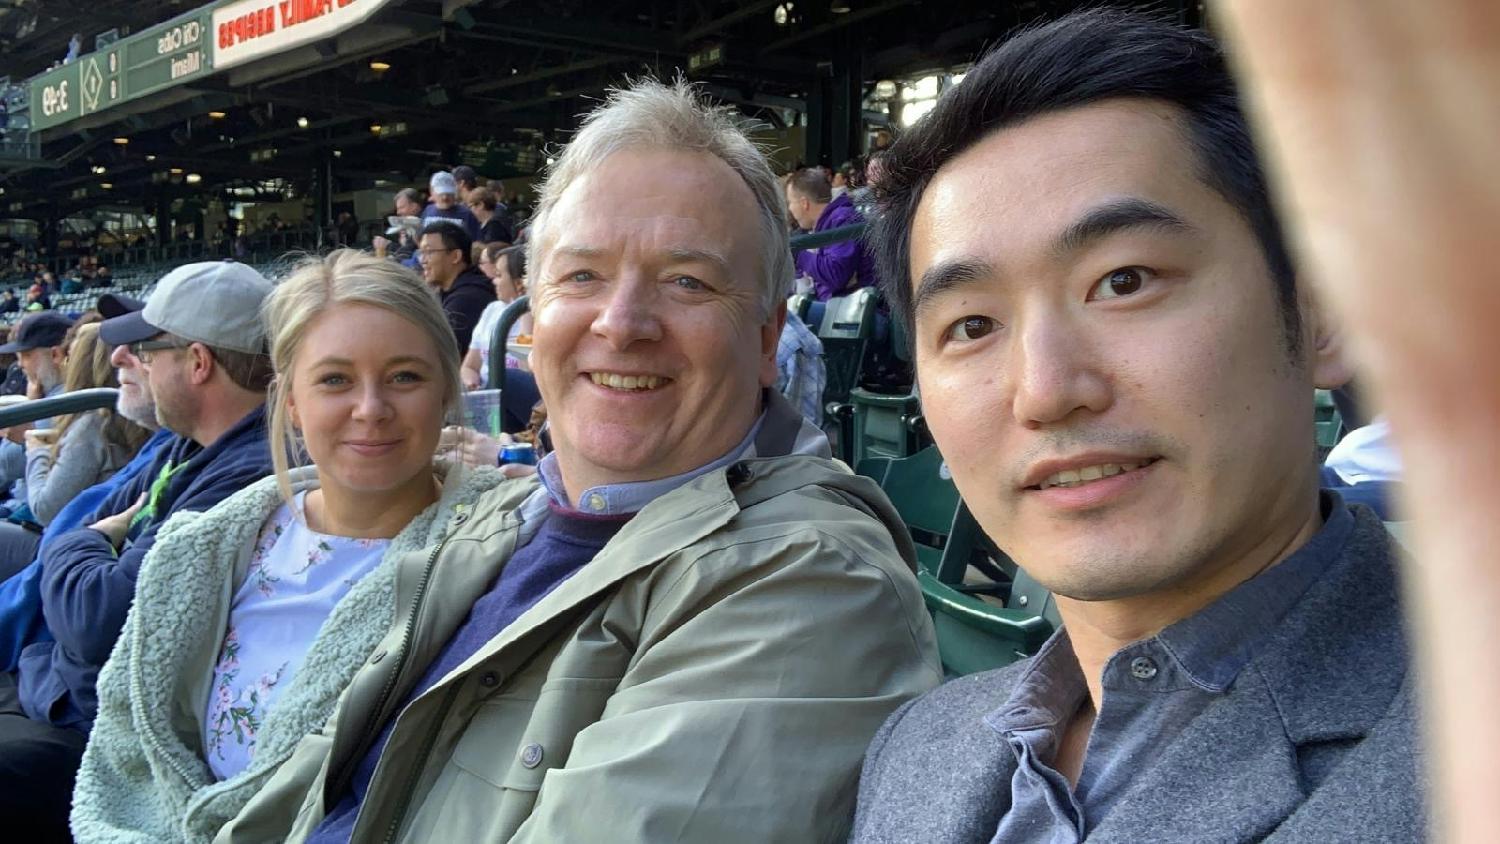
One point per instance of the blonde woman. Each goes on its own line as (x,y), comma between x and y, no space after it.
(84,448)
(249,619)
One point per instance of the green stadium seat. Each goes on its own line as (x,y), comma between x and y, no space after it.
(973,634)
(1330,426)
(887,424)
(848,322)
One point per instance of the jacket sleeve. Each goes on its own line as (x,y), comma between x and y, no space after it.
(87,588)
(748,709)
(12,463)
(114,798)
(832,267)
(50,484)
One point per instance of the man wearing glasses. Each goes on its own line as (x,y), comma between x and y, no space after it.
(447,264)
(199,346)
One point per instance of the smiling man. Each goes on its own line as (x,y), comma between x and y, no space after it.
(690,623)
(1118,364)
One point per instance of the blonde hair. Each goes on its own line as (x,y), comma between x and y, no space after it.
(649,113)
(343,277)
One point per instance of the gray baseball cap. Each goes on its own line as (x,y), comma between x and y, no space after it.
(212,302)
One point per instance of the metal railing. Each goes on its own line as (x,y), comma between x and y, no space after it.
(77,401)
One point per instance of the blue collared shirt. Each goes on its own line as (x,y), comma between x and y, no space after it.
(619,499)
(802,373)
(1152,689)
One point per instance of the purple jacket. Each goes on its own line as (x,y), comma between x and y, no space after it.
(837,269)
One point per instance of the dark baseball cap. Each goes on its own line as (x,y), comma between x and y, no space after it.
(38,331)
(112,305)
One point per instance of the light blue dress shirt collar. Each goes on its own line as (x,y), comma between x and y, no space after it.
(619,499)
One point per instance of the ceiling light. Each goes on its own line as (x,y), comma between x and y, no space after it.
(783,14)
(194,178)
(839,7)
(375,128)
(150,157)
(302,123)
(106,185)
(380,66)
(338,153)
(122,141)
(217,115)
(177,171)
(97,169)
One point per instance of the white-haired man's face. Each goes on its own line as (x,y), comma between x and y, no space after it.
(651,344)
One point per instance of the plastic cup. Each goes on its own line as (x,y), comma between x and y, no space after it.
(482,410)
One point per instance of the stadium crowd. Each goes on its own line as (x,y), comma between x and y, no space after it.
(524,525)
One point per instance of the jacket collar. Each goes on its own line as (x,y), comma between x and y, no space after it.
(679,520)
(1297,690)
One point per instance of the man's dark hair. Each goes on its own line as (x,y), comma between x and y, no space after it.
(483,197)
(453,235)
(811,183)
(249,372)
(1083,58)
(466,176)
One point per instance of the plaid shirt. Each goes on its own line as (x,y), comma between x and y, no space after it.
(799,360)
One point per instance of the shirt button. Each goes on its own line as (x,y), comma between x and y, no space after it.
(531,756)
(596,501)
(1143,668)
(489,679)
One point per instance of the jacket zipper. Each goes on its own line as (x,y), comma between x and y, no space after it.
(413,772)
(375,723)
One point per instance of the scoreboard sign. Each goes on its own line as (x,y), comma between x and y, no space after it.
(245,30)
(169,54)
(185,48)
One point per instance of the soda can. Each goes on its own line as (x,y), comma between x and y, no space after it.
(523,453)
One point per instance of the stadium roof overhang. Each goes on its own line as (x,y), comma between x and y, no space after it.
(413,84)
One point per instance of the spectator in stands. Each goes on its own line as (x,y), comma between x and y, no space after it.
(801,372)
(103,278)
(506,267)
(40,347)
(21,619)
(837,269)
(200,342)
(37,299)
(408,203)
(82,449)
(445,204)
(751,616)
(403,248)
(467,180)
(366,370)
(1118,364)
(9,304)
(347,229)
(493,227)
(464,290)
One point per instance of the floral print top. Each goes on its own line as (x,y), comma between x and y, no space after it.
(295,578)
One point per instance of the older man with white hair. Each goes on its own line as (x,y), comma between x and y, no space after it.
(687,626)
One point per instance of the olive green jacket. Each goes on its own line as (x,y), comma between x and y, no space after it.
(714,674)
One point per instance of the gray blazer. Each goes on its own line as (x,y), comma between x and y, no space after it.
(1316,741)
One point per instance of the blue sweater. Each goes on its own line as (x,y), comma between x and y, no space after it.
(564,543)
(21,621)
(87,587)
